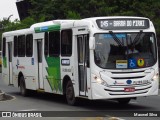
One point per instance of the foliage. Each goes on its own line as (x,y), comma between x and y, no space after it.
(44,10)
(7,25)
(75,9)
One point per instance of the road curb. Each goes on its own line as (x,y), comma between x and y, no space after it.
(2,95)
(5,97)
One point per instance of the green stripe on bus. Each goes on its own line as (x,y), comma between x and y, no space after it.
(53,71)
(5,62)
(47,28)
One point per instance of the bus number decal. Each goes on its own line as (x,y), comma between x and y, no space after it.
(66,70)
(65,62)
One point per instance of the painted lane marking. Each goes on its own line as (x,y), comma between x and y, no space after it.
(28,110)
(134,102)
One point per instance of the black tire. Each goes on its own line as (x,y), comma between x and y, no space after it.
(23,90)
(124,101)
(70,97)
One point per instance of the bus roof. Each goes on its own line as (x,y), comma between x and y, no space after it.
(114,17)
(18,32)
(60,24)
(53,22)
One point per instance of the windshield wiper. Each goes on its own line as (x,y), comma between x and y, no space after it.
(136,39)
(116,39)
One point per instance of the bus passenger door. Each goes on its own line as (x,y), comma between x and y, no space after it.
(39,57)
(10,63)
(83,62)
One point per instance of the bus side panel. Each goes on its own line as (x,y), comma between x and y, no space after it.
(15,69)
(75,68)
(26,66)
(28,70)
(52,75)
(50,68)
(68,68)
(31,69)
(5,69)
(47,86)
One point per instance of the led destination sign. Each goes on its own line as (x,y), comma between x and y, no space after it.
(121,24)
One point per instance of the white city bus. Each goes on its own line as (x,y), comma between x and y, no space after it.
(94,58)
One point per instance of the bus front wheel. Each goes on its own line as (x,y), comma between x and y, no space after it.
(70,97)
(23,89)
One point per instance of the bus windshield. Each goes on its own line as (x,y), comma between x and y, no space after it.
(125,50)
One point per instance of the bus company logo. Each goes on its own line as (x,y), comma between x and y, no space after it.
(118,83)
(129,82)
(45,28)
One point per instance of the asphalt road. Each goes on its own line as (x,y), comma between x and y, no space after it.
(57,106)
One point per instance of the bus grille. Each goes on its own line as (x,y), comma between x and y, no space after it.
(128,75)
(120,90)
(119,79)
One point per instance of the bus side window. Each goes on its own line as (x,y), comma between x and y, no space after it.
(66,43)
(29,45)
(15,46)
(54,43)
(46,50)
(21,46)
(4,47)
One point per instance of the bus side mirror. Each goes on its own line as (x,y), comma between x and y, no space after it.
(92,43)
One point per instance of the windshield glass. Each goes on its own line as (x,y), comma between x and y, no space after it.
(125,50)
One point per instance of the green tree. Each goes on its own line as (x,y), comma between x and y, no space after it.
(6,25)
(75,9)
(3,24)
(44,10)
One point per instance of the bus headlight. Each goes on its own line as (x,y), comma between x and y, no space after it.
(156,77)
(100,81)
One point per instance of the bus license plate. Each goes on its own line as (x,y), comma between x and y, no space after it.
(129,89)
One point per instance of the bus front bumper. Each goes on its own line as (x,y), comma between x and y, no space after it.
(102,92)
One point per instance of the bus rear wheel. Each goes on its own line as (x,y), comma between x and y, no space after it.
(23,89)
(124,101)
(70,97)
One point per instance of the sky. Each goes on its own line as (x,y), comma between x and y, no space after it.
(7,8)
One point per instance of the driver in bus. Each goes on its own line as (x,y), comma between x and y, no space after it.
(131,50)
